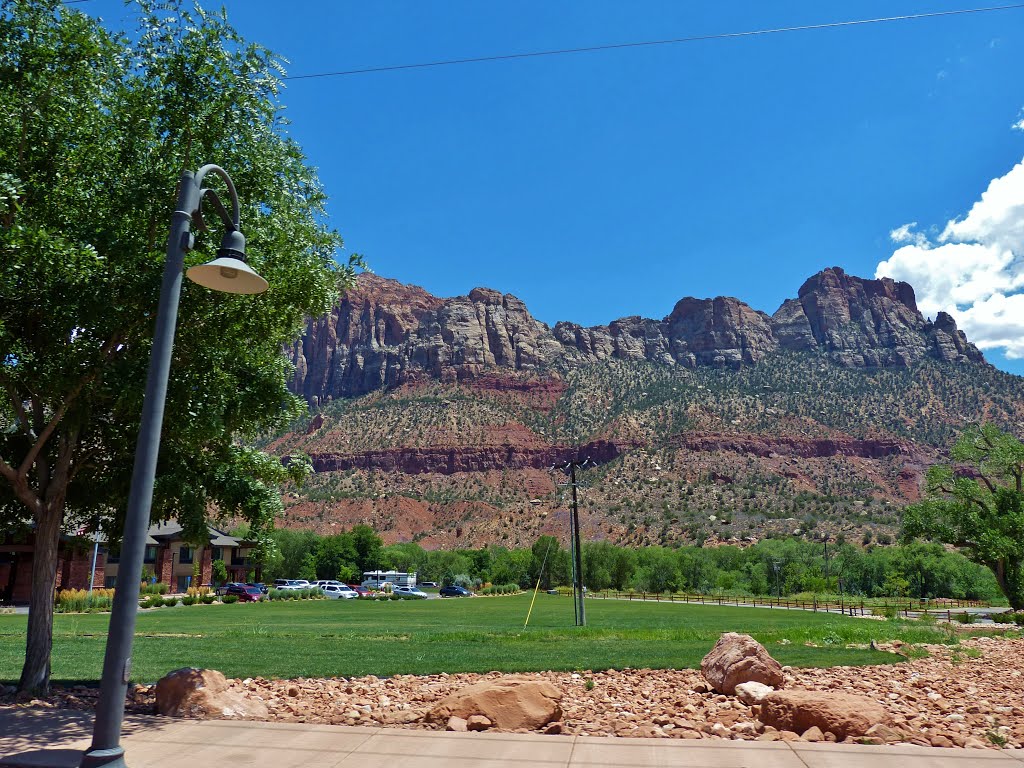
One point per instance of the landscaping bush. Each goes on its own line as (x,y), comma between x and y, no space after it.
(1002,618)
(156,588)
(153,601)
(197,591)
(965,618)
(207,599)
(229,599)
(1018,618)
(170,602)
(189,599)
(80,601)
(500,589)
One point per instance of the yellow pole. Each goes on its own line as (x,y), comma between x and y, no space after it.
(535,590)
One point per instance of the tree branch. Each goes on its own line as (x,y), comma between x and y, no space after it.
(7,471)
(19,406)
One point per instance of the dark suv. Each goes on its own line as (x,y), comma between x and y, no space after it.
(245,593)
(454,591)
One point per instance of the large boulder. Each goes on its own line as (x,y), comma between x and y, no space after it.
(203,693)
(739,659)
(843,714)
(509,703)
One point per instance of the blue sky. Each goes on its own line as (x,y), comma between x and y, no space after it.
(600,185)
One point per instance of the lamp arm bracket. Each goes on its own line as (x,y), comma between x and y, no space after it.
(234,219)
(229,222)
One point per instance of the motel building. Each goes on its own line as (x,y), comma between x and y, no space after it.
(168,558)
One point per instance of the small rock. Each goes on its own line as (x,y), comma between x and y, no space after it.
(478,723)
(752,692)
(457,724)
(555,727)
(813,734)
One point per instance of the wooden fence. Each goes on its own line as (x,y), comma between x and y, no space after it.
(846,607)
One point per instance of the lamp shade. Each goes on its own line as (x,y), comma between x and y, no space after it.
(227,274)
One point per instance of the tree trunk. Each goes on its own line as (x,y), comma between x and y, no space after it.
(35,675)
(1012,583)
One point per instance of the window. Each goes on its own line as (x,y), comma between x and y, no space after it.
(218,553)
(114,555)
(150,554)
(185,555)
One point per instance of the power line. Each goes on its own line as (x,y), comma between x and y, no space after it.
(674,41)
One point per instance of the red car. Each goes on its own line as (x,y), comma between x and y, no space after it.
(361,590)
(245,593)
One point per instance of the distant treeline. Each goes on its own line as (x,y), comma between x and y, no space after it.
(774,566)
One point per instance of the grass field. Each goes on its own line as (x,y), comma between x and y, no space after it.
(348,637)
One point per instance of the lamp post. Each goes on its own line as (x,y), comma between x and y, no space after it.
(228,273)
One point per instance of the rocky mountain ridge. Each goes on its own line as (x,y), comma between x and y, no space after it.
(383,334)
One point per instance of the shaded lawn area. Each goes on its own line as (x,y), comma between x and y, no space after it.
(328,638)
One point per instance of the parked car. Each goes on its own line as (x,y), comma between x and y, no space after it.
(278,583)
(335,591)
(428,583)
(223,588)
(454,591)
(409,592)
(245,593)
(359,589)
(325,582)
(259,585)
(296,584)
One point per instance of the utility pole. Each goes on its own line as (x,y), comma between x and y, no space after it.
(577,552)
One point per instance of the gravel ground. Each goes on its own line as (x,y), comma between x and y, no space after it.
(971,695)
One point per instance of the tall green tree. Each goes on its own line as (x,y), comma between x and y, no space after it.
(978,506)
(95,130)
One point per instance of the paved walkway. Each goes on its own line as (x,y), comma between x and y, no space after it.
(56,738)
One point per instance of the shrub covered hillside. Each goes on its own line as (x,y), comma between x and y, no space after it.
(437,420)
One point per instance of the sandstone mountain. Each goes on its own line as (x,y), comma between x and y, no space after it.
(384,334)
(437,420)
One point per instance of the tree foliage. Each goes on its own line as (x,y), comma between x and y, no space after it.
(977,505)
(95,129)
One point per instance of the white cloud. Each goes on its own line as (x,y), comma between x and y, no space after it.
(906,234)
(974,269)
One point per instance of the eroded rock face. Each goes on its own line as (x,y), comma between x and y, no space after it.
(737,659)
(203,693)
(842,714)
(383,333)
(867,323)
(506,703)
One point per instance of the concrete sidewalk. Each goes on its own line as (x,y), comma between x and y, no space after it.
(57,737)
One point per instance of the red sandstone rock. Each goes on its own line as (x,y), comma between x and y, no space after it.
(841,713)
(739,659)
(203,693)
(507,702)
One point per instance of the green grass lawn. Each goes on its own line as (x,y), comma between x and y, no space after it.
(327,638)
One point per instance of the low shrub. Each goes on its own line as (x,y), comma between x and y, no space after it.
(153,601)
(170,602)
(80,601)
(190,599)
(1018,618)
(156,588)
(965,618)
(229,599)
(500,589)
(207,599)
(197,591)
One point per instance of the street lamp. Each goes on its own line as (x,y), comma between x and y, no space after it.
(229,273)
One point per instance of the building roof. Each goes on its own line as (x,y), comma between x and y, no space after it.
(172,531)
